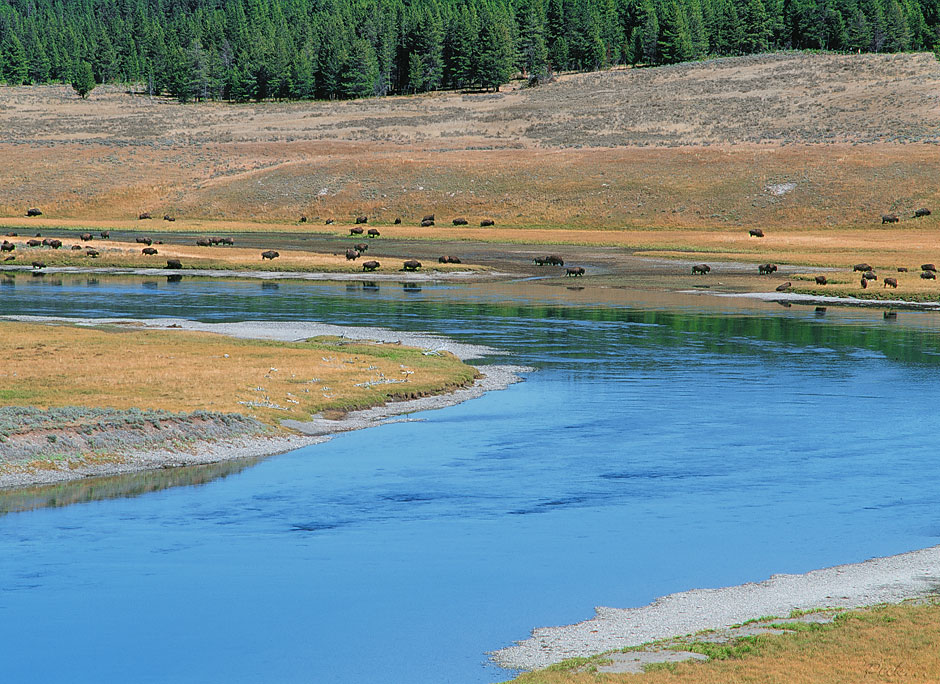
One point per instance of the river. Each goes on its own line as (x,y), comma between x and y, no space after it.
(665,442)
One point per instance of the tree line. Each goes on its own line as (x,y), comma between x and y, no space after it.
(240,50)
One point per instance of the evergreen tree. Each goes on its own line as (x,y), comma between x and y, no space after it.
(649,37)
(755,28)
(13,66)
(360,71)
(675,40)
(494,64)
(83,79)
(897,31)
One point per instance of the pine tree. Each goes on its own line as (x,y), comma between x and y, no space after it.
(649,36)
(755,28)
(897,32)
(83,79)
(494,64)
(13,66)
(675,40)
(360,70)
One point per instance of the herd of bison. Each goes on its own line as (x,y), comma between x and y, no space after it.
(928,271)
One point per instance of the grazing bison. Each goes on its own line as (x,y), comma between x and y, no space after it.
(144,241)
(397,221)
(167,217)
(361,247)
(443,260)
(38,264)
(55,244)
(174,263)
(356,231)
(460,222)
(923,211)
(329,222)
(576,271)
(928,267)
(902,269)
(928,275)
(269,254)
(33,212)
(149,251)
(821,280)
(453,260)
(373,233)
(370,265)
(870,275)
(893,282)
(227,241)
(7,246)
(85,237)
(93,253)
(864,283)
(701,269)
(362,219)
(429,217)
(33,243)
(302,219)
(755,232)
(890,218)
(411,265)
(214,240)
(487,222)
(144,215)
(76,247)
(105,234)
(784,287)
(767,269)
(554,260)
(427,223)
(201,242)
(861,267)
(351,255)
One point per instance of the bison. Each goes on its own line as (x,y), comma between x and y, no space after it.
(453,260)
(144,241)
(370,265)
(923,211)
(460,222)
(362,219)
(201,242)
(149,251)
(397,221)
(928,275)
(411,265)
(893,282)
(144,215)
(427,223)
(174,263)
(755,232)
(861,267)
(7,246)
(85,237)
(269,254)
(487,222)
(554,260)
(864,283)
(928,267)
(890,218)
(361,247)
(33,243)
(55,244)
(356,231)
(76,246)
(902,269)
(351,255)
(302,219)
(93,253)
(821,280)
(167,217)
(227,241)
(33,212)
(443,260)
(373,233)
(767,269)
(784,287)
(105,234)
(329,222)
(870,275)
(39,264)
(701,269)
(429,217)
(576,271)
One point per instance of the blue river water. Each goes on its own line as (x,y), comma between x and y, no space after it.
(655,449)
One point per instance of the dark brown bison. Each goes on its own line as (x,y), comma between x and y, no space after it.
(93,253)
(864,283)
(85,237)
(554,260)
(575,271)
(213,240)
(269,254)
(174,263)
(144,215)
(55,244)
(821,280)
(201,242)
(767,269)
(227,241)
(460,222)
(427,223)
(167,217)
(411,265)
(362,219)
(923,211)
(870,275)
(784,287)
(373,233)
(890,218)
(539,261)
(329,222)
(755,232)
(144,241)
(902,269)
(356,231)
(453,260)
(7,246)
(46,241)
(33,212)
(928,267)
(149,251)
(76,247)
(893,282)
(302,219)
(701,269)
(361,247)
(39,264)
(487,222)
(443,260)
(861,267)
(105,234)
(429,217)
(33,243)
(370,265)
(397,221)
(351,255)
(928,275)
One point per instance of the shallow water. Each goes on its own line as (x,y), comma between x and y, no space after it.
(655,450)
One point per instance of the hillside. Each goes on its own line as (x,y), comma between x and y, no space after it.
(791,138)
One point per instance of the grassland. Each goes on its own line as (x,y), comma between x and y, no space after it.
(894,643)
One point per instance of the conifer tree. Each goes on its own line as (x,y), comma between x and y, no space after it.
(83,79)
(13,66)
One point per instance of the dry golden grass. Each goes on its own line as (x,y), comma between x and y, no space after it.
(898,644)
(179,371)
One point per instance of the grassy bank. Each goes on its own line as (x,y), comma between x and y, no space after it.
(893,643)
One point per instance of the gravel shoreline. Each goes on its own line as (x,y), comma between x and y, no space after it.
(317,430)
(879,580)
